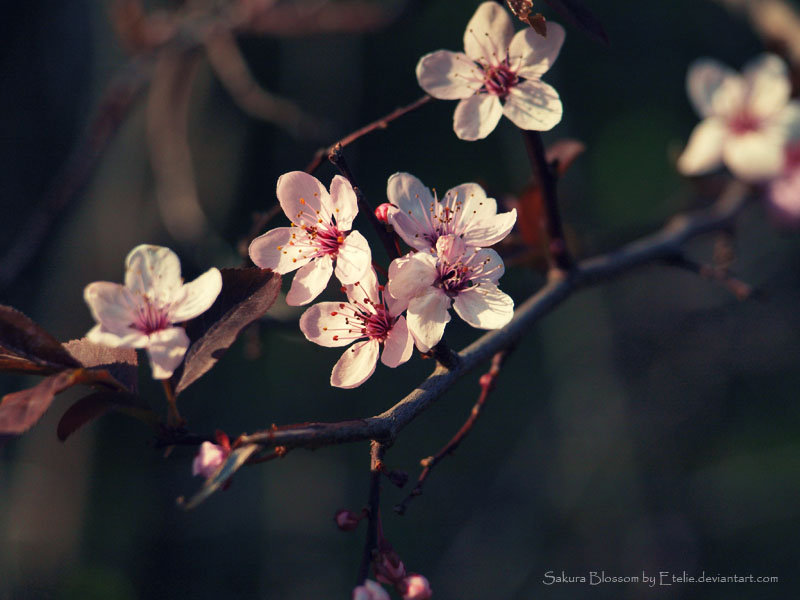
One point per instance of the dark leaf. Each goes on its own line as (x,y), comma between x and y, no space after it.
(563,153)
(522,9)
(246,295)
(233,463)
(20,410)
(581,17)
(121,363)
(28,348)
(539,24)
(84,411)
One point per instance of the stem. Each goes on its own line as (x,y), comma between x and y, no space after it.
(377,450)
(174,418)
(558,254)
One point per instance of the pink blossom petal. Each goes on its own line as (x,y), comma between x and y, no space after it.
(410,231)
(344,203)
(415,586)
(488,34)
(356,365)
(153,271)
(410,275)
(449,75)
(533,105)
(208,459)
(477,116)
(273,250)
(365,288)
(477,221)
(410,195)
(325,324)
(119,338)
(492,267)
(703,152)
(484,307)
(768,79)
(754,156)
(784,198)
(310,281)
(450,248)
(531,54)
(705,77)
(301,195)
(370,591)
(354,258)
(196,297)
(112,305)
(166,349)
(398,346)
(427,317)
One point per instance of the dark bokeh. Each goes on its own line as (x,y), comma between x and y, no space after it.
(647,425)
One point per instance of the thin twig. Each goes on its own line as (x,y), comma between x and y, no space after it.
(377,450)
(720,275)
(487,383)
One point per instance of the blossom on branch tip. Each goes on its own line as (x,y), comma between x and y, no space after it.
(143,312)
(320,235)
(427,283)
(499,73)
(370,313)
(746,118)
(370,591)
(209,458)
(465,211)
(415,587)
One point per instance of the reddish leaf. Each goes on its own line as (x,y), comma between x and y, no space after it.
(26,347)
(539,24)
(246,295)
(121,363)
(522,9)
(84,411)
(581,17)
(563,153)
(20,410)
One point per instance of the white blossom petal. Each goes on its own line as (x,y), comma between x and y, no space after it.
(367,286)
(153,271)
(491,265)
(310,281)
(449,75)
(119,338)
(398,346)
(532,55)
(112,305)
(410,275)
(533,105)
(166,349)
(344,203)
(356,365)
(784,198)
(477,221)
(274,250)
(704,78)
(196,297)
(488,34)
(301,195)
(768,81)
(354,258)
(412,232)
(427,317)
(325,324)
(477,116)
(409,194)
(754,156)
(703,152)
(484,307)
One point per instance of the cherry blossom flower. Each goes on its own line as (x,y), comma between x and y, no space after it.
(415,587)
(499,73)
(428,283)
(370,591)
(319,236)
(746,118)
(369,314)
(420,218)
(209,457)
(783,192)
(143,312)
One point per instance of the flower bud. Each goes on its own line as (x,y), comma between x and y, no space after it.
(370,591)
(347,520)
(208,459)
(382,212)
(415,587)
(389,569)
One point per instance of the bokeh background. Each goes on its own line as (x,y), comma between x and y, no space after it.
(648,424)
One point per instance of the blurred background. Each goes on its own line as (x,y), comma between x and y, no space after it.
(648,424)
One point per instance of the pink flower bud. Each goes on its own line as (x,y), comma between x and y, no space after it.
(347,520)
(208,459)
(370,591)
(382,212)
(415,587)
(389,569)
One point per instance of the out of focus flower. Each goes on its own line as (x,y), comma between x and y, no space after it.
(783,192)
(143,312)
(208,459)
(319,236)
(499,73)
(369,314)
(746,118)
(465,211)
(370,591)
(415,587)
(429,282)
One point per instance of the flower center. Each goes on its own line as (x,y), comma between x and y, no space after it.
(499,79)
(744,122)
(454,278)
(327,239)
(151,318)
(364,319)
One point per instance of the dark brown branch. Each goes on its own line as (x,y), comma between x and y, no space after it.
(660,246)
(381,123)
(487,383)
(543,172)
(377,450)
(720,275)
